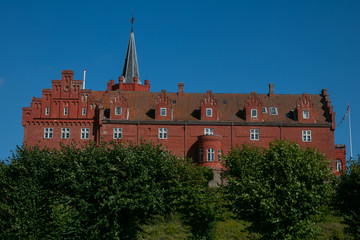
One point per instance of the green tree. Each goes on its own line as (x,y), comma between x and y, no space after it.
(277,189)
(94,192)
(348,198)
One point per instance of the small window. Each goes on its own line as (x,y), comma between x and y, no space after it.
(174,101)
(201,155)
(85,133)
(211,155)
(83,111)
(162,111)
(209,112)
(273,111)
(306,114)
(338,165)
(65,111)
(264,110)
(118,110)
(48,133)
(208,131)
(254,134)
(225,101)
(65,133)
(253,113)
(163,133)
(306,136)
(219,155)
(47,111)
(117,133)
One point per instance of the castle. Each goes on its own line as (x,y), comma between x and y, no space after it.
(202,126)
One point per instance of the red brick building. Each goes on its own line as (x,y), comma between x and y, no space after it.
(198,125)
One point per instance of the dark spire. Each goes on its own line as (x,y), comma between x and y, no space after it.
(131,68)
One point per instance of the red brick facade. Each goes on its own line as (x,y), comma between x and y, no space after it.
(200,126)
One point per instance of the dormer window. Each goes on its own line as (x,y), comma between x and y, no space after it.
(209,112)
(264,110)
(209,131)
(273,111)
(306,114)
(65,111)
(118,110)
(163,112)
(47,111)
(253,113)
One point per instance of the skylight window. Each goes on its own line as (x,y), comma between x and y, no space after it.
(273,111)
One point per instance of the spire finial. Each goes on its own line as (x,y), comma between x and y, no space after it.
(132,19)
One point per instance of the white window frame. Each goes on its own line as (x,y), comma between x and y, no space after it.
(117,133)
(48,133)
(338,165)
(219,154)
(306,135)
(208,131)
(210,154)
(65,133)
(47,111)
(273,111)
(209,112)
(83,112)
(306,114)
(254,113)
(66,111)
(163,112)
(118,110)
(163,133)
(201,155)
(254,134)
(85,133)
(264,110)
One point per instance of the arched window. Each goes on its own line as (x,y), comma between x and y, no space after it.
(338,165)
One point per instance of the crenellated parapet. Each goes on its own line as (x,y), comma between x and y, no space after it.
(119,108)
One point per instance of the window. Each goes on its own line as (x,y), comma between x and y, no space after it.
(209,131)
(209,112)
(210,155)
(162,111)
(306,114)
(85,133)
(163,133)
(48,133)
(306,136)
(254,134)
(83,111)
(117,133)
(338,166)
(118,110)
(253,113)
(273,111)
(219,154)
(65,133)
(264,110)
(47,111)
(65,111)
(201,155)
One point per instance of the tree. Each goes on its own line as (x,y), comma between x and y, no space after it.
(348,197)
(277,189)
(94,192)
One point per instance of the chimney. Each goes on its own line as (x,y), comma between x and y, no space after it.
(271,89)
(181,89)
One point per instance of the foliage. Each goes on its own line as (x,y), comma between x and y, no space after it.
(96,192)
(348,197)
(277,189)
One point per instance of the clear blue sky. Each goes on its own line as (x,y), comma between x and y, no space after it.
(223,46)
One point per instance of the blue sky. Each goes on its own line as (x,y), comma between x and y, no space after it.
(223,46)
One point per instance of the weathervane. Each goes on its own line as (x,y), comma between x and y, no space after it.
(132,19)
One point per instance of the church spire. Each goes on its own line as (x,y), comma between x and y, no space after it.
(131,68)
